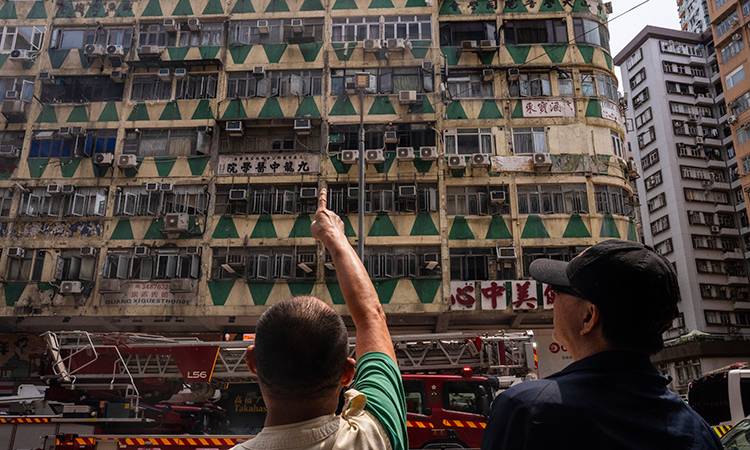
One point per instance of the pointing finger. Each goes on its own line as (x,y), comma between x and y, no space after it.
(322,199)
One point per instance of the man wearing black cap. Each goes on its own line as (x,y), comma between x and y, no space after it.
(612,304)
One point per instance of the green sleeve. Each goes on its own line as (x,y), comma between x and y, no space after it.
(378,377)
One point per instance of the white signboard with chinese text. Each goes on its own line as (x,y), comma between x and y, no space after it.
(268,164)
(548,296)
(149,294)
(512,163)
(524,294)
(611,111)
(494,295)
(564,107)
(463,296)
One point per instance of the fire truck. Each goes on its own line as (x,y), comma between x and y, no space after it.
(722,396)
(142,392)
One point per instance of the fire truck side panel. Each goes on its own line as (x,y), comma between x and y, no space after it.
(31,436)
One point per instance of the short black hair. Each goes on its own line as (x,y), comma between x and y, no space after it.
(301,346)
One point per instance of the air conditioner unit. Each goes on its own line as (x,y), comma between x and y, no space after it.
(405,153)
(374,156)
(152,187)
(259,71)
(165,74)
(20,55)
(427,66)
(513,74)
(733,22)
(408,191)
(148,50)
(205,129)
(390,137)
(488,44)
(77,131)
(608,8)
(373,45)
(13,107)
(9,151)
(715,229)
(71,287)
(109,286)
(262,26)
(11,95)
(480,159)
(118,50)
(170,25)
(179,74)
(456,162)
(349,156)
(407,97)
(308,192)
(497,196)
(745,125)
(127,162)
(699,139)
(16,252)
(176,222)
(431,260)
(54,189)
(237,195)
(542,160)
(236,260)
(94,50)
(194,24)
(88,251)
(234,128)
(302,126)
(64,132)
(506,252)
(118,76)
(469,45)
(428,153)
(397,44)
(352,192)
(732,119)
(180,285)
(488,74)
(46,78)
(68,189)
(166,187)
(632,169)
(736,37)
(142,251)
(297,26)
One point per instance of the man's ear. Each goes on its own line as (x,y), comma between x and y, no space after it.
(250,360)
(348,375)
(592,317)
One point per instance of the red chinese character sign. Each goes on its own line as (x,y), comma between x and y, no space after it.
(561,107)
(268,164)
(494,295)
(524,294)
(548,296)
(463,295)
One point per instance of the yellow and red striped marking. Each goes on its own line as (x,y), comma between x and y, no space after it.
(721,430)
(26,420)
(463,424)
(418,424)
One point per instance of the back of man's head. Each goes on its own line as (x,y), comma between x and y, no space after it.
(301,348)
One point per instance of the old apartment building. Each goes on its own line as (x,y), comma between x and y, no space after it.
(161,158)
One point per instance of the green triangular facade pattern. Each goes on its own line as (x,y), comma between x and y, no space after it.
(38,11)
(68,166)
(422,165)
(274,52)
(183,8)
(608,59)
(419,48)
(551,6)
(519,53)
(220,290)
(343,50)
(271,109)
(517,111)
(122,230)
(632,236)
(609,227)
(380,4)
(164,166)
(343,107)
(57,57)
(556,53)
(486,57)
(386,166)
(340,167)
(139,112)
(47,115)
(581,6)
(225,229)
(171,112)
(109,113)
(514,6)
(534,228)
(8,12)
(460,229)
(96,10)
(449,7)
(424,225)
(275,6)
(334,290)
(65,10)
(593,109)
(125,9)
(348,228)
(452,54)
(455,111)
(382,226)
(424,108)
(382,105)
(587,52)
(13,292)
(310,51)
(198,164)
(78,114)
(498,229)
(154,230)
(213,7)
(3,58)
(259,292)
(239,53)
(301,228)
(300,288)
(307,108)
(243,7)
(153,9)
(385,289)
(312,5)
(177,53)
(458,173)
(264,228)
(426,289)
(344,4)
(37,166)
(203,111)
(490,110)
(235,110)
(85,61)
(209,52)
(483,7)
(415,4)
(576,228)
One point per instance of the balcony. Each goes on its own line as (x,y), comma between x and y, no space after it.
(725,231)
(704,99)
(734,280)
(724,208)
(742,305)
(715,164)
(734,254)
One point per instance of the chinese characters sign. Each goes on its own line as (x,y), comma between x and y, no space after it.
(501,295)
(611,111)
(268,164)
(463,296)
(149,294)
(548,108)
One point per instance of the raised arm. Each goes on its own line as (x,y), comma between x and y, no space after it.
(359,293)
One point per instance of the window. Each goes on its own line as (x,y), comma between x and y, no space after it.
(70,265)
(27,268)
(745,8)
(664,247)
(531,84)
(530,254)
(165,142)
(24,87)
(681,108)
(646,137)
(260,199)
(159,264)
(704,242)
(529,140)
(726,24)
(288,83)
(608,87)
(408,27)
(197,86)
(69,38)
(588,84)
(386,197)
(679,88)
(706,196)
(610,199)
(697,71)
(690,151)
(550,31)
(638,78)
(239,262)
(659,225)
(151,87)
(590,32)
(103,141)
(83,89)
(416,400)
(694,173)
(6,198)
(453,33)
(140,201)
(643,118)
(726,220)
(634,59)
(688,370)
(553,199)
(746,164)
(463,396)
(208,35)
(657,202)
(83,202)
(680,48)
(469,85)
(399,262)
(155,34)
(392,80)
(653,180)
(735,77)
(565,83)
(640,98)
(732,49)
(467,201)
(350,29)
(720,3)
(280,31)
(616,144)
(468,141)
(21,38)
(474,264)
(743,134)
(723,292)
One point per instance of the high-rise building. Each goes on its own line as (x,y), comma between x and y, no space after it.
(161,159)
(692,204)
(694,16)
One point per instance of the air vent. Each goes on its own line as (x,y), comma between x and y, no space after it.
(237,195)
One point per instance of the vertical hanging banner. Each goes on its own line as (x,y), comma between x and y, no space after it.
(463,296)
(524,294)
(548,296)
(494,295)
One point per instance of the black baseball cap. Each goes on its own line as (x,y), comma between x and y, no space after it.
(614,271)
